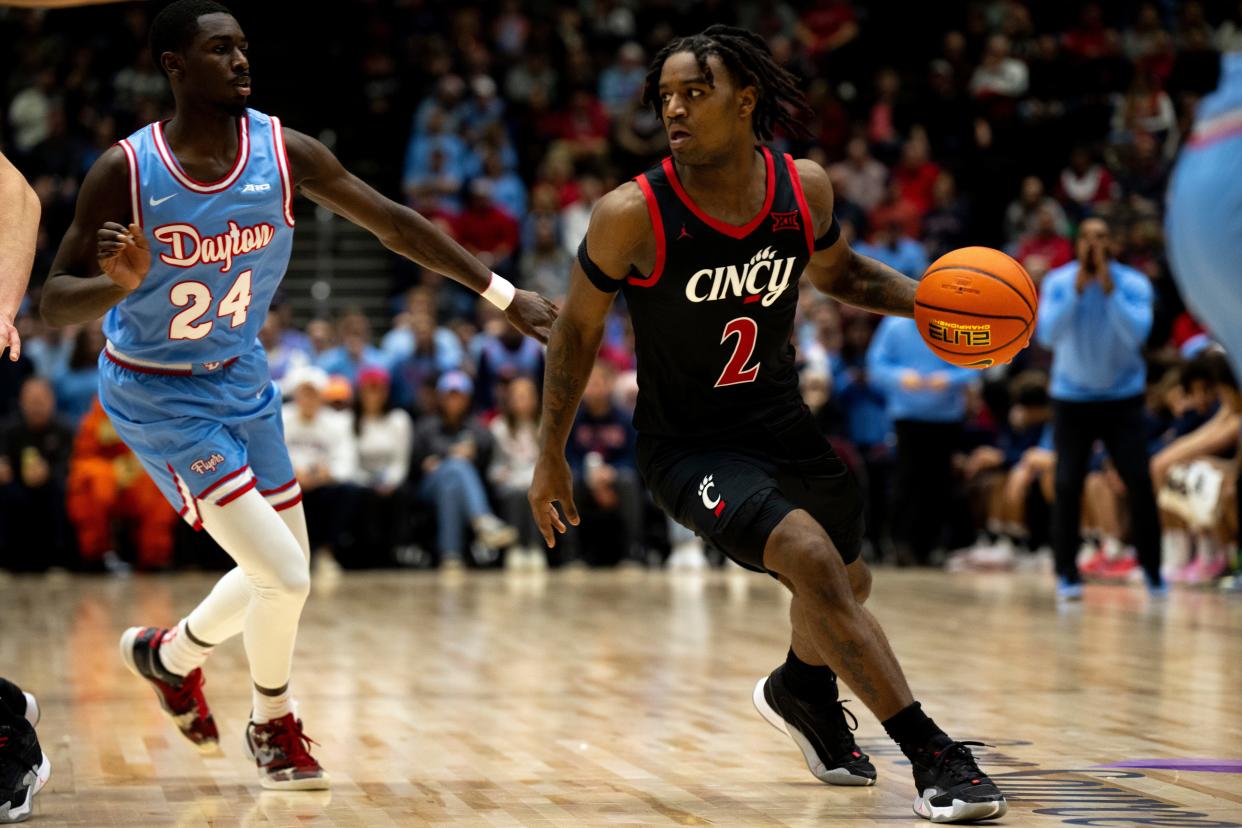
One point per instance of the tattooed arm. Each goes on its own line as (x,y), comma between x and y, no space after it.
(618,236)
(840,272)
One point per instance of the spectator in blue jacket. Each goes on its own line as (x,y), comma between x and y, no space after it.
(1095,315)
(926,400)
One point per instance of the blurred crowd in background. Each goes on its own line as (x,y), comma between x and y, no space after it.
(999,123)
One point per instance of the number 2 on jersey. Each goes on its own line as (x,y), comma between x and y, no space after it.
(186,325)
(735,371)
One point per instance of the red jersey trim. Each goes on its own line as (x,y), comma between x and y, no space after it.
(279,489)
(282,161)
(288,504)
(657,226)
(194,185)
(231,496)
(808,221)
(735,231)
(135,196)
(205,493)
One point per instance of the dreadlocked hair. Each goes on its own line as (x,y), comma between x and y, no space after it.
(748,58)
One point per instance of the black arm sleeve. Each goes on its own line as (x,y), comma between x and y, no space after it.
(598,277)
(830,236)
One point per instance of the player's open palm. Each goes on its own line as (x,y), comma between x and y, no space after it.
(123,254)
(553,482)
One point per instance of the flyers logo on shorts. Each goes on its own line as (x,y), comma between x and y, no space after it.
(208,465)
(715,505)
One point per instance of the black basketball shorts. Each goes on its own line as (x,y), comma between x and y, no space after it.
(734,494)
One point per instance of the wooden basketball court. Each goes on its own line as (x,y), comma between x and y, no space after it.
(623,698)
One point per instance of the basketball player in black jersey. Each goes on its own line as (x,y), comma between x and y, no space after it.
(708,248)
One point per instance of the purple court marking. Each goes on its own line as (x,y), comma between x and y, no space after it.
(1206,765)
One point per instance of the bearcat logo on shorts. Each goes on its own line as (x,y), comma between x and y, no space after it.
(209,465)
(763,277)
(952,333)
(714,505)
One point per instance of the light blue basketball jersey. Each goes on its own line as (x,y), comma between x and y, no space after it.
(218,250)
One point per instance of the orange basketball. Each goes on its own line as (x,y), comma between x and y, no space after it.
(976,307)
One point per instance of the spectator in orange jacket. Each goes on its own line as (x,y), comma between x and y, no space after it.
(108,484)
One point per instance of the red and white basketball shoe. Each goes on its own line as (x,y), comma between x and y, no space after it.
(282,752)
(180,696)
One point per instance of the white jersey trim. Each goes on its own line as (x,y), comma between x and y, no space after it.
(135,197)
(239,164)
(282,161)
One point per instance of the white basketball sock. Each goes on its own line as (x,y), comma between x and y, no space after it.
(268,707)
(180,654)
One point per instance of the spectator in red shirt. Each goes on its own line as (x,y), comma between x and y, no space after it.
(916,173)
(485,230)
(1091,39)
(897,211)
(1045,248)
(583,125)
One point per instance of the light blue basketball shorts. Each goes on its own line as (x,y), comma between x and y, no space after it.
(1204,229)
(205,432)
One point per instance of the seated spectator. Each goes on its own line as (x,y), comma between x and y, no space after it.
(486,231)
(1146,109)
(622,81)
(544,266)
(915,173)
(385,436)
(355,351)
(437,136)
(435,191)
(481,111)
(861,178)
(897,213)
(945,226)
(505,356)
(892,246)
(1000,74)
(109,488)
(1045,248)
(508,191)
(324,453)
(281,357)
(607,489)
(583,126)
(76,381)
(577,215)
(452,451)
(1022,214)
(515,434)
(34,465)
(429,351)
(1085,183)
(845,209)
(1193,476)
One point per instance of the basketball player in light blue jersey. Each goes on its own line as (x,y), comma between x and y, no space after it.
(1204,218)
(181,235)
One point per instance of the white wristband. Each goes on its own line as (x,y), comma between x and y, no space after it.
(500,292)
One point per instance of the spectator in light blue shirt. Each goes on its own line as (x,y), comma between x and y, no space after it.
(927,404)
(355,351)
(1095,315)
(899,252)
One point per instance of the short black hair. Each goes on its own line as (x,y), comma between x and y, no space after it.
(1211,367)
(174,27)
(747,57)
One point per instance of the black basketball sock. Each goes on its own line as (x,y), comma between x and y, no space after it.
(808,682)
(12,697)
(913,730)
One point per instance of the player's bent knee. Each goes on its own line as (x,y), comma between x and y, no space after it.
(801,551)
(860,580)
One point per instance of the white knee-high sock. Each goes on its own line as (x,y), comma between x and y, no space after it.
(278,574)
(222,613)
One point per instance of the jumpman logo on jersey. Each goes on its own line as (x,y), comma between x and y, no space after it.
(685,234)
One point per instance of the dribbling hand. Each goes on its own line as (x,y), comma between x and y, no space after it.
(553,482)
(123,253)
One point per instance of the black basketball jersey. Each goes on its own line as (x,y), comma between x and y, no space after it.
(714,320)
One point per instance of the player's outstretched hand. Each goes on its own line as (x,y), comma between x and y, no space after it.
(123,254)
(10,338)
(532,314)
(553,483)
